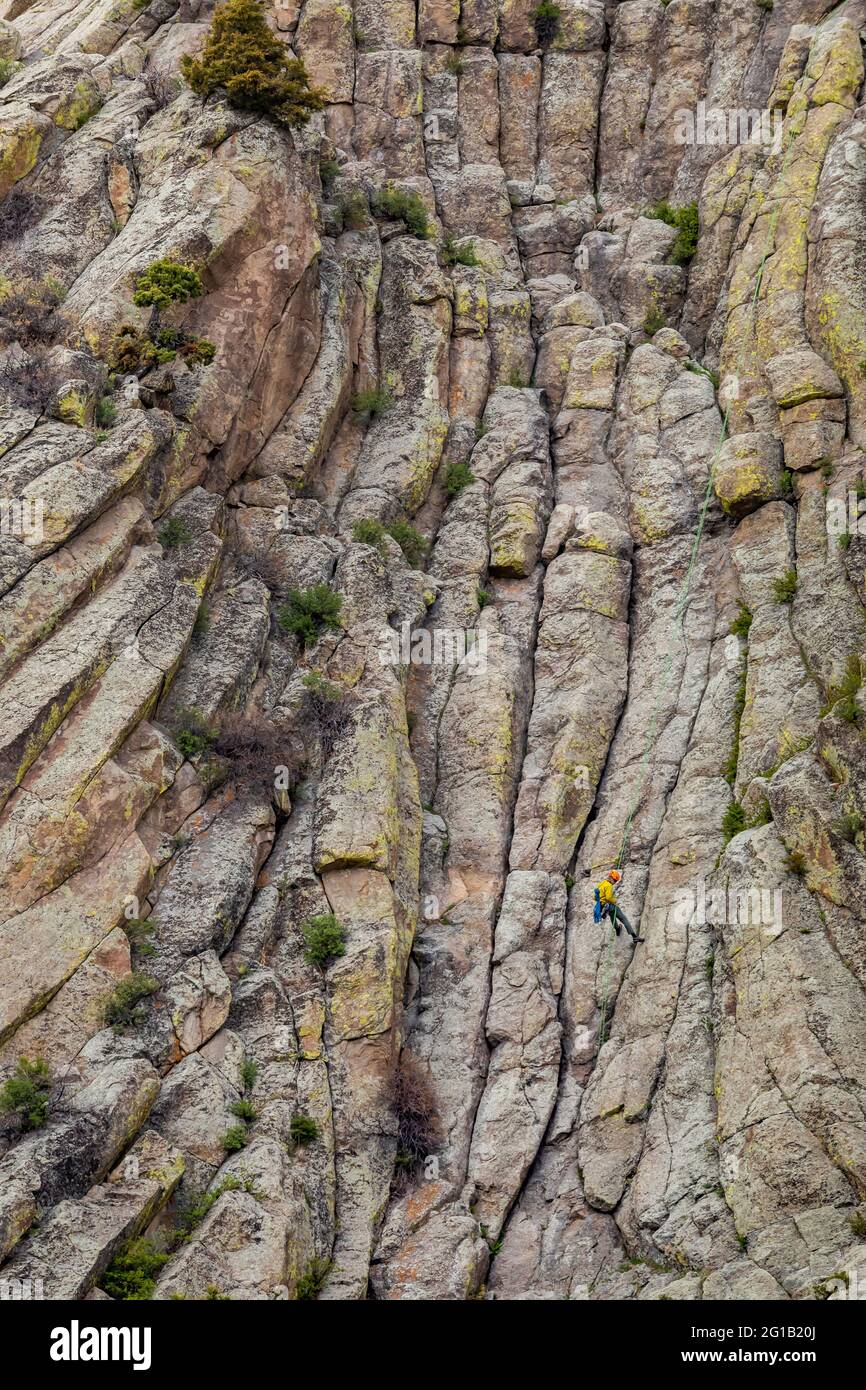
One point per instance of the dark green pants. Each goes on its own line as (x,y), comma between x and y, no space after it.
(620,920)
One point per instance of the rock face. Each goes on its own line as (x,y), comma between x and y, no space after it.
(342,657)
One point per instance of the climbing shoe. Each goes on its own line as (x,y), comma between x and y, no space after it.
(636,939)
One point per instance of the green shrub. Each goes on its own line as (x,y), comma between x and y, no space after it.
(312,1281)
(764,4)
(329,169)
(215,1293)
(245,1110)
(122,1008)
(249,1073)
(786,482)
(483,596)
(373,402)
(546,17)
(8,68)
(308,612)
(167,282)
(741,624)
(785,588)
(452,254)
(132,351)
(686,221)
(194,1213)
(858,1224)
(243,57)
(707,372)
(458,476)
(132,1273)
(844,540)
(410,541)
(455,65)
(199,352)
(654,320)
(842,699)
(193,734)
(397,205)
(235,1139)
(369,531)
(762,815)
(325,937)
(686,243)
(303,1128)
(733,821)
(139,931)
(106,412)
(322,688)
(849,826)
(174,533)
(353,210)
(25,1094)
(730,772)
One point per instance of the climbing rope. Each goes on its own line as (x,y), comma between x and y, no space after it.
(683,601)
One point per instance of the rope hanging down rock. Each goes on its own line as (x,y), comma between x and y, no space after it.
(682,605)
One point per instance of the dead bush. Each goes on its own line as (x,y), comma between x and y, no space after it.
(327,708)
(29,314)
(414,1107)
(264,567)
(29,321)
(253,747)
(159,86)
(19,211)
(27,379)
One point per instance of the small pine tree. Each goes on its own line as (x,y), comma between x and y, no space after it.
(325,937)
(167,282)
(164,283)
(303,1128)
(256,70)
(458,476)
(309,611)
(784,589)
(235,1139)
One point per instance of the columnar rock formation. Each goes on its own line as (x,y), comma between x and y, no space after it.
(561,399)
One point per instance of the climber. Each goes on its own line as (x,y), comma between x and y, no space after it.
(606,905)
